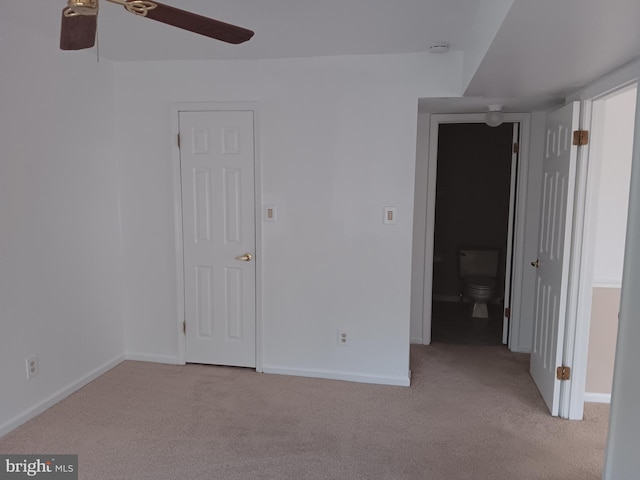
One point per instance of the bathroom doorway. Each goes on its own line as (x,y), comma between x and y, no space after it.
(473,210)
(525,179)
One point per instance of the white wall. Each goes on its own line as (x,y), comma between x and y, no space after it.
(337,143)
(488,19)
(612,168)
(59,234)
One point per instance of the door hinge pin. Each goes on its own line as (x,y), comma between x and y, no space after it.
(178,140)
(581,137)
(507,312)
(563,373)
(184,327)
(516,147)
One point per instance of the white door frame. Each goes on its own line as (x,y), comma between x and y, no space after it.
(176,108)
(508,277)
(575,350)
(524,119)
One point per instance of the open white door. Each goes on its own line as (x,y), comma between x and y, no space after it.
(217,170)
(556,216)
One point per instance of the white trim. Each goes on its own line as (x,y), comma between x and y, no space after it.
(345,376)
(510,234)
(176,108)
(143,357)
(177,215)
(607,283)
(520,263)
(430,221)
(416,341)
(524,119)
(58,396)
(520,349)
(257,179)
(597,397)
(581,247)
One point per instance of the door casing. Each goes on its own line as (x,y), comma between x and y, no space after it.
(176,108)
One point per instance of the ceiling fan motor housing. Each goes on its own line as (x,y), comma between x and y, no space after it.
(83,7)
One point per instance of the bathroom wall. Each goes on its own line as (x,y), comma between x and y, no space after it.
(602,342)
(472,198)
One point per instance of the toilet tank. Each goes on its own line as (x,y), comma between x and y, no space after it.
(482,263)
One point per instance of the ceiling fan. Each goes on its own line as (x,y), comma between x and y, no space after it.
(80,22)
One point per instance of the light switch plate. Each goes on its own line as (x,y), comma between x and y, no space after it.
(390,214)
(269,213)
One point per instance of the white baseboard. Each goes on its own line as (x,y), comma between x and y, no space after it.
(417,341)
(346,376)
(59,395)
(607,283)
(143,357)
(597,397)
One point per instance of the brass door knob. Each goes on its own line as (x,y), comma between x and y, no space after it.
(536,264)
(247,257)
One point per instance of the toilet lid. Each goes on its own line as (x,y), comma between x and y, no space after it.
(480,282)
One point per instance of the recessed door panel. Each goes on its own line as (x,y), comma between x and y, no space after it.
(202,204)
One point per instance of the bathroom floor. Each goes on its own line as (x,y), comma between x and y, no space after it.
(452,323)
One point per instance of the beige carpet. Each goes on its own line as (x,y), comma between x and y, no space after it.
(471,413)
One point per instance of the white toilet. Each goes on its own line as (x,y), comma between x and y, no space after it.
(478,270)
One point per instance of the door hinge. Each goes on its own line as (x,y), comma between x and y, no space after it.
(581,137)
(184,327)
(563,373)
(516,147)
(178,140)
(507,312)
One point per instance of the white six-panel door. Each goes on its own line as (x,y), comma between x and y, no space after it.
(556,214)
(217,176)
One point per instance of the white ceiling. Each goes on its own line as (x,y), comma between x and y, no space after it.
(542,50)
(547,46)
(288,28)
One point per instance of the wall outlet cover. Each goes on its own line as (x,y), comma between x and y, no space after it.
(343,338)
(390,214)
(269,213)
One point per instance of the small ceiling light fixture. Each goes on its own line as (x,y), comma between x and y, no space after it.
(494,116)
(439,47)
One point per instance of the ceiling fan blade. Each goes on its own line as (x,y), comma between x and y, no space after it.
(78,32)
(198,24)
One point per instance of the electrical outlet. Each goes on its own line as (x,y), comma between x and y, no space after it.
(32,366)
(343,338)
